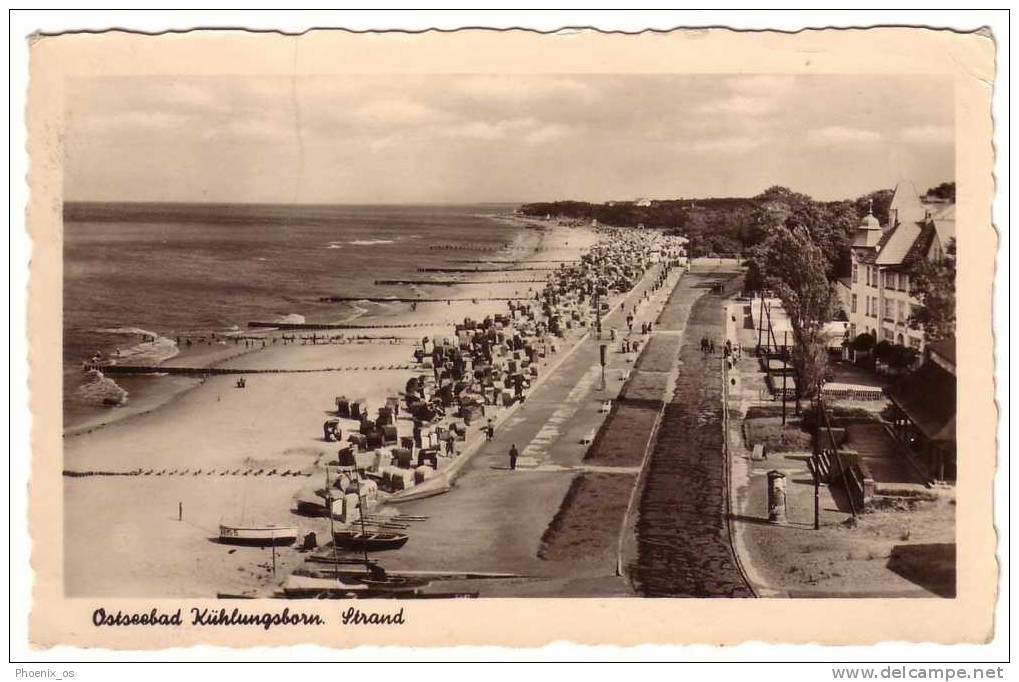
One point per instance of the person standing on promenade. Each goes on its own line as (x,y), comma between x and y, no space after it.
(490,430)
(513,456)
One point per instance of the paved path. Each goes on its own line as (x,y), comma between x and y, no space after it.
(494,518)
(683,548)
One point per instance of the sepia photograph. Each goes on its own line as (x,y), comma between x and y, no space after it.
(338,360)
(374,339)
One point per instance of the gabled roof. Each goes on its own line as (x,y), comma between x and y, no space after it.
(905,207)
(920,248)
(900,240)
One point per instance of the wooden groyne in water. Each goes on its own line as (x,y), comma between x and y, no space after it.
(471,270)
(308,326)
(217,371)
(455,282)
(416,299)
(513,261)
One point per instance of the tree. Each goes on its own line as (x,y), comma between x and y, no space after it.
(796,270)
(933,285)
(945,190)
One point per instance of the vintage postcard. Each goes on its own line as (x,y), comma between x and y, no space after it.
(510,338)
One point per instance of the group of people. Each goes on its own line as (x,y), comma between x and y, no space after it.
(729,349)
(499,348)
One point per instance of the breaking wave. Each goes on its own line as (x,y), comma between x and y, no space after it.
(99,389)
(153,350)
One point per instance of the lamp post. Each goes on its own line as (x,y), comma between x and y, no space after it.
(817,456)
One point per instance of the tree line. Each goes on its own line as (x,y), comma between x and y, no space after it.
(795,246)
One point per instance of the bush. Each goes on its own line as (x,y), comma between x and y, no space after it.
(839,416)
(863,342)
(883,351)
(776,438)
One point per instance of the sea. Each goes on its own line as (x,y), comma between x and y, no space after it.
(139,277)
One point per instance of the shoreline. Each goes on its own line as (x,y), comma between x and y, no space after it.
(153,398)
(211,428)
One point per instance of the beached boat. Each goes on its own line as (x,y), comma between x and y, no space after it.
(367,541)
(259,535)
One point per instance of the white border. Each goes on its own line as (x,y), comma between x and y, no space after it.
(25,22)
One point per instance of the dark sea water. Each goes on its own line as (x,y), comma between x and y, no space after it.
(137,276)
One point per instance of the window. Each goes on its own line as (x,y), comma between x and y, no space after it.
(904,282)
(852,304)
(903,315)
(856,273)
(889,311)
(888,334)
(893,280)
(852,330)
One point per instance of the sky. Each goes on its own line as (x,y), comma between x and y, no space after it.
(501,138)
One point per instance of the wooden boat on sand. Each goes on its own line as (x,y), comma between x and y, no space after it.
(258,535)
(368,541)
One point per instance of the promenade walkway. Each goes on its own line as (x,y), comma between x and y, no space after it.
(683,547)
(494,519)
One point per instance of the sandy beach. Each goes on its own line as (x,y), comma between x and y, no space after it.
(122,533)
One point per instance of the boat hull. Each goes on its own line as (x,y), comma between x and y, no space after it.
(370,542)
(263,536)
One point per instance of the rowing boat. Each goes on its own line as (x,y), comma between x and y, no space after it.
(368,541)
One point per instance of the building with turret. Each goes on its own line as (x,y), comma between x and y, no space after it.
(884,258)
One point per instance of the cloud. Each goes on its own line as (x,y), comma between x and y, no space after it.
(743,104)
(751,96)
(762,86)
(486,130)
(929,134)
(842,135)
(517,89)
(730,145)
(546,133)
(395,112)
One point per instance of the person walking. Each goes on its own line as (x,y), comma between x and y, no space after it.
(513,457)
(490,430)
(451,444)
(417,434)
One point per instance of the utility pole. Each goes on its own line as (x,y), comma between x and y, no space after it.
(785,371)
(760,321)
(817,455)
